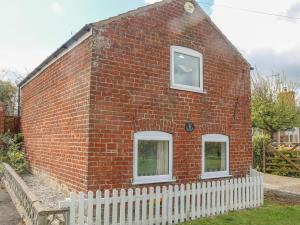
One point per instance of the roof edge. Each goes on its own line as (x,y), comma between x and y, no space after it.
(55,55)
(163,2)
(133,12)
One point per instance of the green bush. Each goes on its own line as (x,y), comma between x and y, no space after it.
(258,143)
(12,152)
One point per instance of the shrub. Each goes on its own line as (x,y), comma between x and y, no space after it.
(258,143)
(12,152)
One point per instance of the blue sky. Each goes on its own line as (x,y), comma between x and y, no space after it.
(32,29)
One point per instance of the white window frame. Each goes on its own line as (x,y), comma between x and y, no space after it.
(156,136)
(190,52)
(215,138)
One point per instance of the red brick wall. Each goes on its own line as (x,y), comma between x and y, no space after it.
(54,118)
(130,92)
(80,114)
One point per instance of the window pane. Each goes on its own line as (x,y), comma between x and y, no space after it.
(186,70)
(153,158)
(215,156)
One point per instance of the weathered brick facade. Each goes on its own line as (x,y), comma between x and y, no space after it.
(79,115)
(55,118)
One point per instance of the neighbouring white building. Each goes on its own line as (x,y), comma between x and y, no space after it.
(288,136)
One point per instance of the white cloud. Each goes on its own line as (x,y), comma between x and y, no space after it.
(260,36)
(56,7)
(152,1)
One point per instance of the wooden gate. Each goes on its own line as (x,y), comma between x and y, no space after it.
(281,160)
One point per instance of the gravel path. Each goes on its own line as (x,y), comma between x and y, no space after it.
(8,212)
(289,185)
(49,197)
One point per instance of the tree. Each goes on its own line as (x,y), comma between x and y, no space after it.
(8,95)
(274,104)
(8,90)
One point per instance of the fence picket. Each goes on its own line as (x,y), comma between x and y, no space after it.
(227,195)
(231,194)
(176,204)
(213,197)
(98,208)
(193,201)
(115,207)
(182,194)
(173,205)
(218,197)
(164,206)
(187,202)
(144,205)
(130,206)
(122,206)
(242,192)
(151,205)
(106,207)
(90,208)
(254,191)
(204,202)
(157,206)
(198,200)
(208,199)
(247,193)
(241,189)
(137,206)
(262,190)
(258,191)
(251,192)
(235,181)
(81,209)
(170,204)
(222,210)
(72,207)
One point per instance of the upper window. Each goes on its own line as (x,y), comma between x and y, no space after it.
(215,155)
(153,156)
(186,69)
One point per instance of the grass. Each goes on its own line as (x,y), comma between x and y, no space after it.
(272,213)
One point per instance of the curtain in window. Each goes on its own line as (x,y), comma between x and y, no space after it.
(162,157)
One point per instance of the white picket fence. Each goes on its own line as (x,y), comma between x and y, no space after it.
(167,205)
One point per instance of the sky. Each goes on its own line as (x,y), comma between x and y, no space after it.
(33,29)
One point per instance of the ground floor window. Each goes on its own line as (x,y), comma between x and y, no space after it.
(215,156)
(153,154)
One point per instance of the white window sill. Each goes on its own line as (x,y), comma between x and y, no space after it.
(214,176)
(154,181)
(191,89)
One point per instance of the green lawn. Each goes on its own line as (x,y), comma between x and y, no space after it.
(272,213)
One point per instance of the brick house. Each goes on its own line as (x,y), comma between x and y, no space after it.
(157,95)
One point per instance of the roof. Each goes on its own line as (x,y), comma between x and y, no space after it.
(55,54)
(139,10)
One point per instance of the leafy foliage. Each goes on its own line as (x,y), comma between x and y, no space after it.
(12,153)
(258,142)
(274,104)
(8,96)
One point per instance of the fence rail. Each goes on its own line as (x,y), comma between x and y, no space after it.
(167,205)
(280,161)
